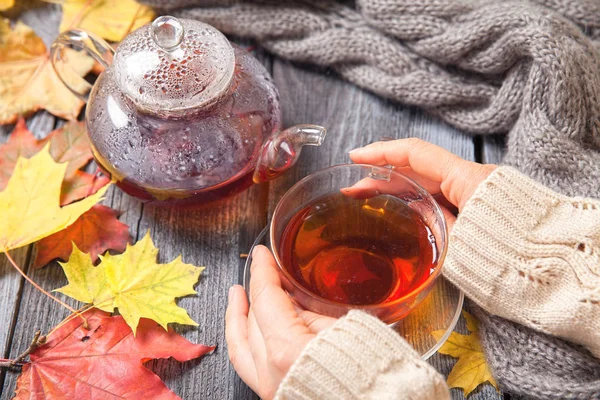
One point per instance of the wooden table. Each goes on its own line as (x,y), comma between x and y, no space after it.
(214,236)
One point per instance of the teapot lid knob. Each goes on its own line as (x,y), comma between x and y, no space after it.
(167,32)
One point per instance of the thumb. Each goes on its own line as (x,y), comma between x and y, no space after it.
(315,322)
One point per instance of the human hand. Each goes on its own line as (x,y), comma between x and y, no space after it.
(265,338)
(434,168)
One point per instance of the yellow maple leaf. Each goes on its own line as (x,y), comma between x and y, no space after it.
(133,283)
(471,369)
(30,203)
(111,19)
(27,80)
(6,4)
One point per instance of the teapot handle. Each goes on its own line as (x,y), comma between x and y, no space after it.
(282,150)
(78,40)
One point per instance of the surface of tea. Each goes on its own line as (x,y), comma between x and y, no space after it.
(358,252)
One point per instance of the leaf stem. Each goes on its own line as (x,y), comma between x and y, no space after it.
(18,362)
(9,365)
(79,313)
(37,341)
(38,287)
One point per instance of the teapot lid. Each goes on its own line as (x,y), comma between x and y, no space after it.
(174,65)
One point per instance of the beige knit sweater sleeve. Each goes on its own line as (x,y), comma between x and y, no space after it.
(518,249)
(528,254)
(359,357)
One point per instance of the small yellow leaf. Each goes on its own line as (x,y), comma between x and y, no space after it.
(471,369)
(472,323)
(6,4)
(133,283)
(111,19)
(27,80)
(30,203)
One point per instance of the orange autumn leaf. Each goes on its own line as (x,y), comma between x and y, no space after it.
(103,360)
(95,232)
(80,185)
(110,19)
(27,80)
(21,143)
(68,144)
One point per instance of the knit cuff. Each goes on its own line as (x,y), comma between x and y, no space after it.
(492,229)
(528,254)
(359,357)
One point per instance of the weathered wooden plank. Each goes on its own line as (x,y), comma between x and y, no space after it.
(354,118)
(213,236)
(45,20)
(493,149)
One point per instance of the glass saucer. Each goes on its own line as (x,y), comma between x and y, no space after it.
(439,311)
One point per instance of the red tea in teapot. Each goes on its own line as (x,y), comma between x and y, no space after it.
(358,251)
(199,156)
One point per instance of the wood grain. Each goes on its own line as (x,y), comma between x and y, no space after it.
(493,149)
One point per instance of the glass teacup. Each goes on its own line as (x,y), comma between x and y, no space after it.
(358,237)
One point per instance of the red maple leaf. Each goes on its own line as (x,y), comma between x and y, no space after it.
(94,232)
(104,361)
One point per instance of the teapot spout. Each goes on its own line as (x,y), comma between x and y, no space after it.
(283,149)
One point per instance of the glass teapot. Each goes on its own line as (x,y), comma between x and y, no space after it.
(180,115)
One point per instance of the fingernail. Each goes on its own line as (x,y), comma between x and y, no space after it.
(254,250)
(355,150)
(231,294)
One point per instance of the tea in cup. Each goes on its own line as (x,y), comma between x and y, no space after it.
(358,237)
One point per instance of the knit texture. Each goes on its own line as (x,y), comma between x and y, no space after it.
(529,68)
(540,364)
(359,357)
(528,254)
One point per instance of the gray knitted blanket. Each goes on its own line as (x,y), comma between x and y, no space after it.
(527,68)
